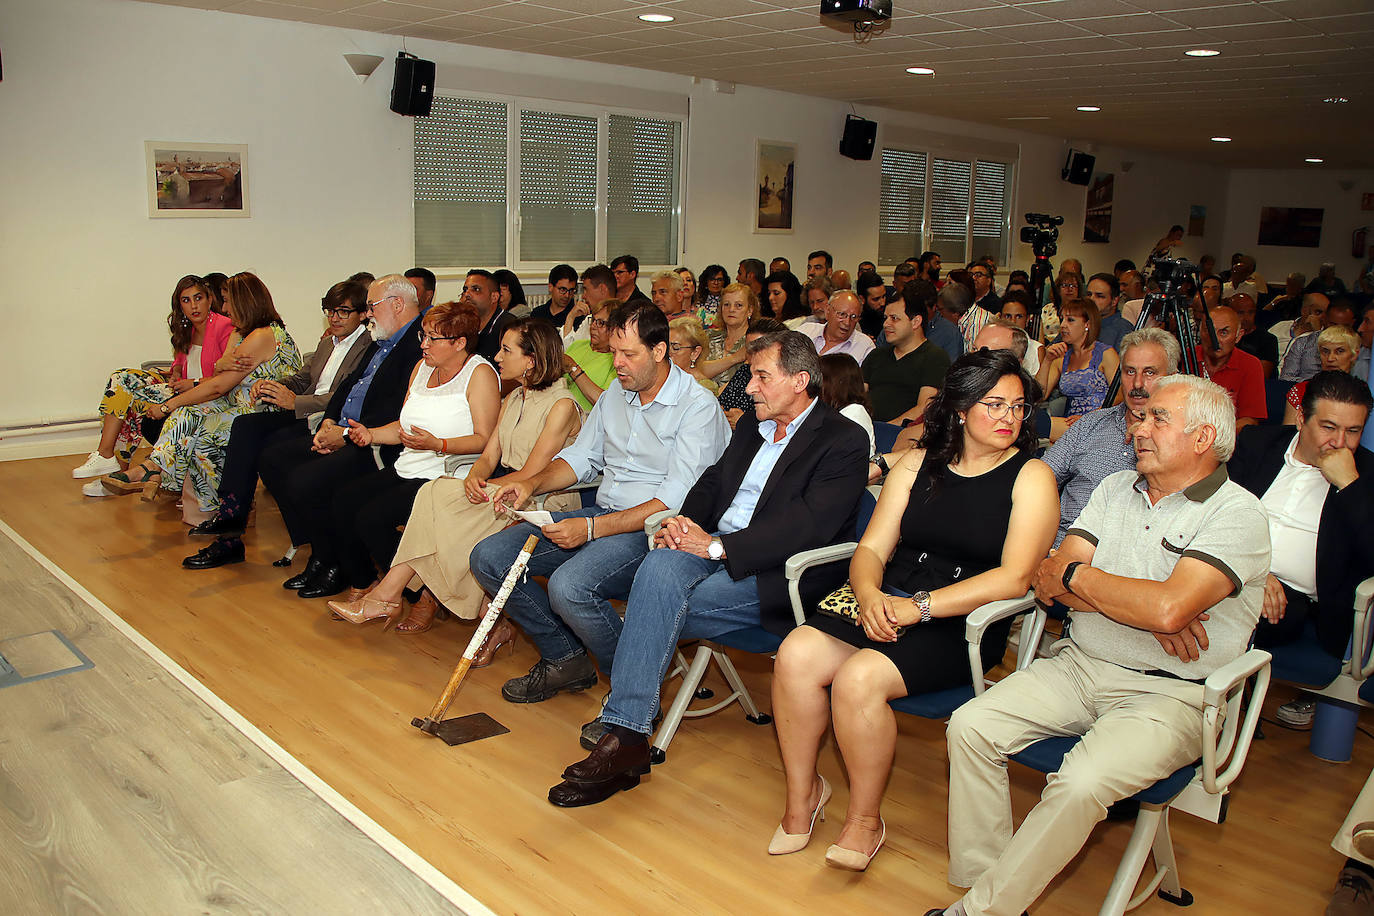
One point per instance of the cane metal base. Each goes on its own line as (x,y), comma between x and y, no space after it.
(462,729)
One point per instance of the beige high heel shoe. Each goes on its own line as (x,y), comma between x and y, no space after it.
(838,856)
(784,843)
(366,610)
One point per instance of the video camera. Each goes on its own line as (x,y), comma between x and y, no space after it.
(1041,233)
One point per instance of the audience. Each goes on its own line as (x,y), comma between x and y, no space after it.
(1232,368)
(482,291)
(687,341)
(1080,365)
(751,274)
(735,398)
(625,269)
(785,297)
(689,284)
(562,290)
(738,306)
(598,285)
(1016,309)
(588,362)
(668,293)
(1104,291)
(984,295)
(1337,349)
(840,333)
(816,293)
(425,284)
(713,281)
(906,372)
(842,387)
(873,295)
(819,264)
(1256,341)
(1302,361)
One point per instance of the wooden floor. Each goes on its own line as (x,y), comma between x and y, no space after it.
(690,839)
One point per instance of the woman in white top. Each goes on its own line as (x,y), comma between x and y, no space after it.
(450,411)
(842,387)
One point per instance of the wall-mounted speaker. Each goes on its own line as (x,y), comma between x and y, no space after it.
(412,92)
(859,134)
(1078,167)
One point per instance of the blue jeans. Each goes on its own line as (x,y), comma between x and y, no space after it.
(575,613)
(676,595)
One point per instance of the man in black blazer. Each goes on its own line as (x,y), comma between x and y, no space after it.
(1317,485)
(789,480)
(303,473)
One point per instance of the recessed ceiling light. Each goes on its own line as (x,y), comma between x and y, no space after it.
(1202,52)
(1314,161)
(1089,108)
(1336,100)
(656,17)
(921,71)
(1221,139)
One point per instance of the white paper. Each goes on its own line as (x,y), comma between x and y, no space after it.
(537,517)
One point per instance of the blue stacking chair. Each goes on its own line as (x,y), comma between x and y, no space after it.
(1200,788)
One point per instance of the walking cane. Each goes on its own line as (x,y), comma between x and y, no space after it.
(478,725)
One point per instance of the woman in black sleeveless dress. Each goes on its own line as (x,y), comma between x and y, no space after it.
(962,520)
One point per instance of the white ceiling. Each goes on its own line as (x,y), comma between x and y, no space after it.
(1014,63)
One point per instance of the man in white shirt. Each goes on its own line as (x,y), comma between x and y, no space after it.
(840,333)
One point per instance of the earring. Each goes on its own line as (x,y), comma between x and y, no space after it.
(961,421)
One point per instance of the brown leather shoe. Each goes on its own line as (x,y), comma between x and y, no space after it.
(607,770)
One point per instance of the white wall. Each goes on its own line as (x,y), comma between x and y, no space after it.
(1318,186)
(87,81)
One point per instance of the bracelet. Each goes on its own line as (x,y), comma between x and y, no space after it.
(922,602)
(1069,570)
(589,528)
(443,446)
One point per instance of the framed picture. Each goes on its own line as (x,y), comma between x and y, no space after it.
(200,180)
(773,186)
(1295,227)
(1097,216)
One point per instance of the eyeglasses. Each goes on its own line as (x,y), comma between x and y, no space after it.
(373,305)
(675,347)
(338,313)
(566,290)
(423,337)
(998,409)
(599,322)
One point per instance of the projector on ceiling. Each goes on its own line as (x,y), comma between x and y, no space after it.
(857,10)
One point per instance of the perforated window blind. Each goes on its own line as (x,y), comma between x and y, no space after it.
(901,205)
(460,184)
(990,209)
(951,182)
(557,187)
(642,200)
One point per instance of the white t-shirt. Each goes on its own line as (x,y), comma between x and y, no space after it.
(860,416)
(193,367)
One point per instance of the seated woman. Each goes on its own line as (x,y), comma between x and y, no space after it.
(843,388)
(687,341)
(448,417)
(689,286)
(785,296)
(1079,364)
(189,454)
(512,293)
(199,337)
(962,520)
(712,284)
(738,307)
(588,362)
(735,398)
(1338,347)
(451,515)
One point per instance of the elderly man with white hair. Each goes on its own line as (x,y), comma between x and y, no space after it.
(1164,575)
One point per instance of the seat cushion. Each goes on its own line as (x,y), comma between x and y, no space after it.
(937,704)
(750,639)
(1047,755)
(1304,661)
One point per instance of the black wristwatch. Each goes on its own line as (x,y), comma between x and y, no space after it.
(881,462)
(1068,576)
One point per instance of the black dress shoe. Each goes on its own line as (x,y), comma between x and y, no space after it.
(607,770)
(302,578)
(329,581)
(219,553)
(219,526)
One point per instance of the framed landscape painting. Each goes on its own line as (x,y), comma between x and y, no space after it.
(774,186)
(196,180)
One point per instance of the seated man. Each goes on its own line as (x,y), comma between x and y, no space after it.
(1164,575)
(789,480)
(650,435)
(1318,485)
(1256,341)
(840,333)
(906,372)
(1231,367)
(1301,360)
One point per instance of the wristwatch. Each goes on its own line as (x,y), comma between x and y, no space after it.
(1068,576)
(716,550)
(922,600)
(881,461)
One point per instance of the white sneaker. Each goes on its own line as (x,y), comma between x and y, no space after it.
(1297,713)
(95,488)
(96,466)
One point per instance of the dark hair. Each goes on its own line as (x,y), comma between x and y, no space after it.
(455,319)
(1021,298)
(923,264)
(918,297)
(479,272)
(1109,279)
(1343,304)
(627,261)
(1175,228)
(346,293)
(540,342)
(1338,386)
(214,282)
(704,280)
(1018,275)
(563,272)
(961,278)
(866,281)
(753,267)
(363,277)
(599,275)
(968,381)
(904,269)
(179,324)
(793,307)
(650,324)
(767,326)
(250,303)
(842,381)
(872,268)
(510,281)
(822,253)
(956,296)
(1087,310)
(425,275)
(796,354)
(1123,265)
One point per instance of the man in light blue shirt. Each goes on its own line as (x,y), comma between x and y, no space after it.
(650,436)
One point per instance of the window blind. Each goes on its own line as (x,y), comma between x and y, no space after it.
(951,184)
(460,184)
(642,202)
(557,186)
(990,209)
(901,205)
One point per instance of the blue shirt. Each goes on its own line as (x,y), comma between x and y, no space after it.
(1114,327)
(741,509)
(1093,448)
(945,336)
(648,451)
(1367,437)
(353,404)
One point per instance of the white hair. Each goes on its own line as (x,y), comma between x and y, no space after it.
(1208,404)
(400,287)
(672,276)
(1160,338)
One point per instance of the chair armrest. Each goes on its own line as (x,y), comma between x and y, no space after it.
(976,625)
(803,560)
(589,485)
(1226,734)
(654,522)
(1360,666)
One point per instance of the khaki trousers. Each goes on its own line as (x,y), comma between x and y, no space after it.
(1136,729)
(1360,812)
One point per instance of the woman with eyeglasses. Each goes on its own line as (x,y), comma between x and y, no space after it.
(452,513)
(963,519)
(450,411)
(1080,365)
(199,337)
(738,307)
(687,341)
(588,363)
(711,286)
(1068,285)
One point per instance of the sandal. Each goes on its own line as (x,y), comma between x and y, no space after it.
(147,482)
(423,612)
(501,635)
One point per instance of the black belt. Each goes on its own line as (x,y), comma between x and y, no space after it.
(1157,672)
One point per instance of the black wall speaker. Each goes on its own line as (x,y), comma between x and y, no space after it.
(412,92)
(859,134)
(1078,167)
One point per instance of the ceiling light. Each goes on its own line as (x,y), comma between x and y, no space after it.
(1089,108)
(1202,52)
(1336,100)
(920,71)
(1314,161)
(656,17)
(1221,139)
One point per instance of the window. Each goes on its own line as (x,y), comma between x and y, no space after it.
(968,214)
(531,185)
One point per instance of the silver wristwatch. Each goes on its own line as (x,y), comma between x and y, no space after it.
(922,600)
(716,550)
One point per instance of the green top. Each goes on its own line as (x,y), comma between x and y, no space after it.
(597,366)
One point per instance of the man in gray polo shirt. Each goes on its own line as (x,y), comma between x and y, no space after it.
(1164,575)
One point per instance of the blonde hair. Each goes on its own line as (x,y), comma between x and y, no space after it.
(691,326)
(751,299)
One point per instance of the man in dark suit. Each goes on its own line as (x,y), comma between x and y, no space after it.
(303,473)
(789,480)
(300,397)
(1318,486)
